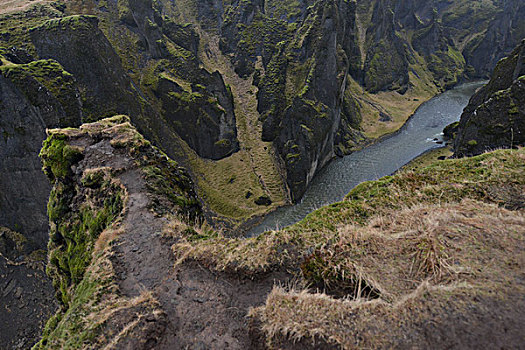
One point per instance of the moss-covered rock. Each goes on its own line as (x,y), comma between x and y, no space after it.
(86,210)
(495,115)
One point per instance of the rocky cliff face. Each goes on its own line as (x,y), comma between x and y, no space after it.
(495,115)
(306,51)
(197,116)
(27,293)
(503,33)
(319,72)
(35,96)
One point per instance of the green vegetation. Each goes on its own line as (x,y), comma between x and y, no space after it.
(80,22)
(14,27)
(75,230)
(447,67)
(51,75)
(69,329)
(58,157)
(428,158)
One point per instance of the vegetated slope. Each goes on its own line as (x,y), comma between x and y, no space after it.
(495,115)
(8,6)
(254,97)
(433,258)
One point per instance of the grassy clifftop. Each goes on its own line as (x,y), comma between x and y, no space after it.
(370,269)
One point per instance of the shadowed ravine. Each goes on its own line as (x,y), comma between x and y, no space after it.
(381,159)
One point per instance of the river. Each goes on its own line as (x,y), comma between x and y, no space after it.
(380,159)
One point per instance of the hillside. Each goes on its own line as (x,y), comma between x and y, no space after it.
(406,257)
(255,97)
(495,116)
(167,128)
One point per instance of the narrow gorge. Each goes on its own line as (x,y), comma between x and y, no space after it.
(141,141)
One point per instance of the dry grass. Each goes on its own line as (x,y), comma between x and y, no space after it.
(493,178)
(107,236)
(460,253)
(398,257)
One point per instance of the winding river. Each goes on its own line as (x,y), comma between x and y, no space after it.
(380,159)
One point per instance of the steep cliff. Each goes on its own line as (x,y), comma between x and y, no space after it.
(326,75)
(117,206)
(311,71)
(503,33)
(35,96)
(495,115)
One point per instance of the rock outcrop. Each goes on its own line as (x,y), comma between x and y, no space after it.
(318,118)
(387,58)
(495,115)
(117,206)
(35,96)
(503,33)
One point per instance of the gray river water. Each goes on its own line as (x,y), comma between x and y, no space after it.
(378,160)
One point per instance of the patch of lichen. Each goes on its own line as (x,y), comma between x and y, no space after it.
(12,243)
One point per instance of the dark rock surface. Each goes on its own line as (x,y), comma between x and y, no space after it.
(386,65)
(203,115)
(26,293)
(495,115)
(26,110)
(504,32)
(320,119)
(81,47)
